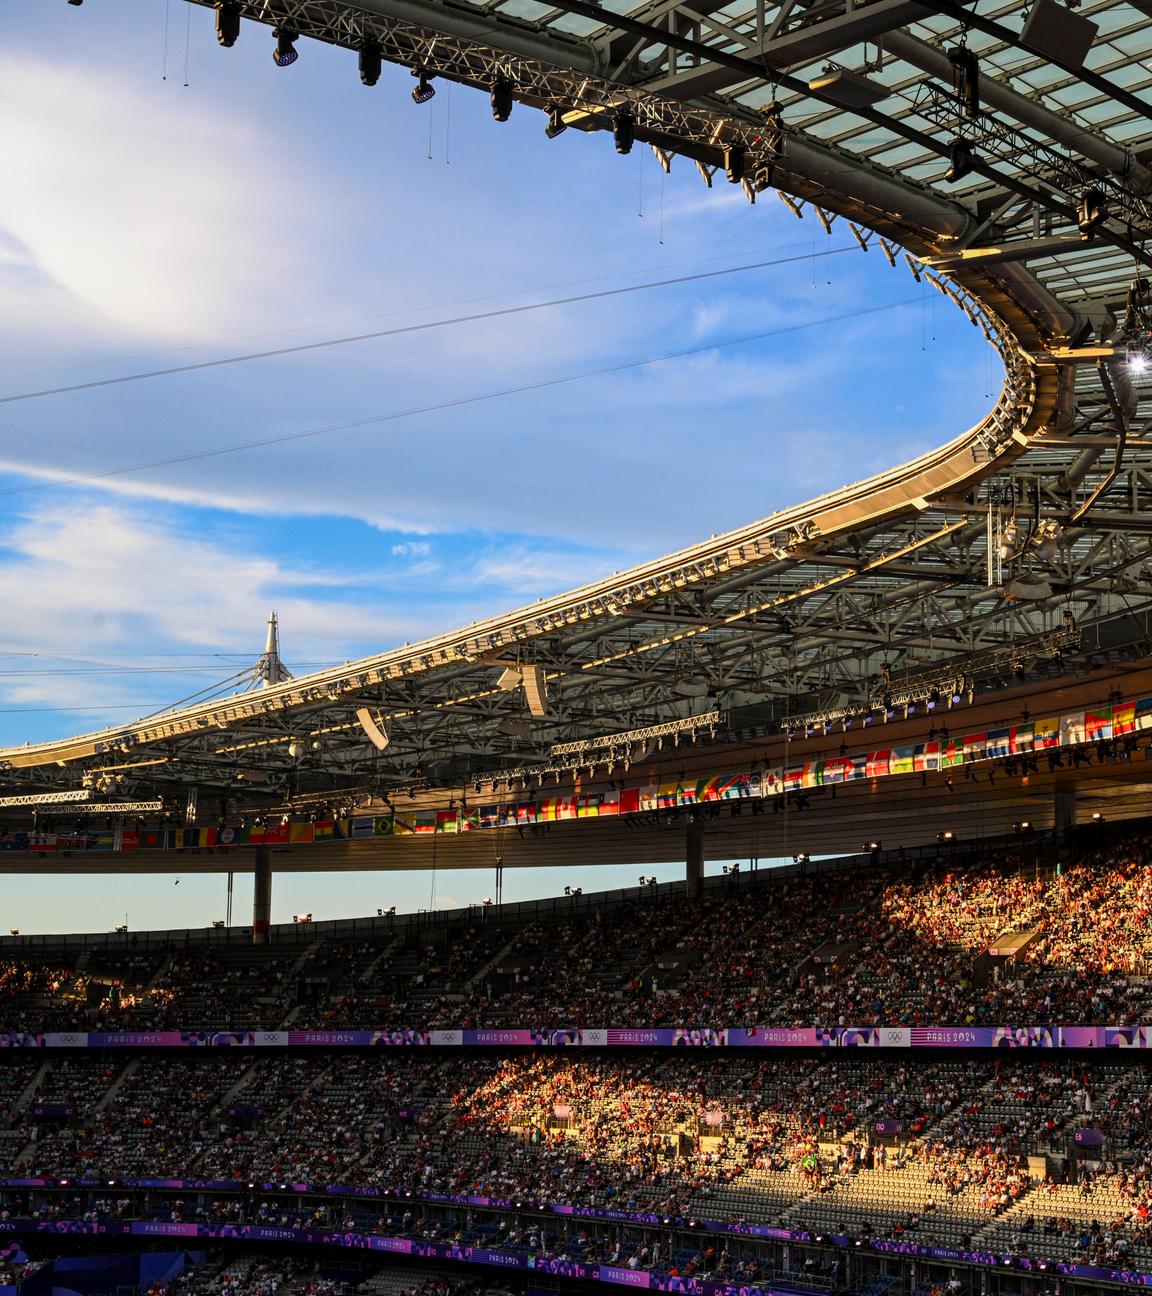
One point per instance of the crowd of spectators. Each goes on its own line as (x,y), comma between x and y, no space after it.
(858,948)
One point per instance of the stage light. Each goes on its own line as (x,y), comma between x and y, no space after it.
(556,123)
(285,54)
(1091,212)
(735,156)
(1046,541)
(502,99)
(217,922)
(228,23)
(425,90)
(961,160)
(371,63)
(624,132)
(1138,362)
(946,836)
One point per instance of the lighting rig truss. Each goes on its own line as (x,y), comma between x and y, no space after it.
(957,679)
(1108,194)
(579,98)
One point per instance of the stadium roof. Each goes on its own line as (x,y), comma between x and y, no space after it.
(1022,546)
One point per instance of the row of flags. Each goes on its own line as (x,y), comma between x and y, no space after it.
(1067,730)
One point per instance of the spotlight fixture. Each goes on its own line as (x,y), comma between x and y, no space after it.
(1139,362)
(425,90)
(502,99)
(217,922)
(573,891)
(228,23)
(946,836)
(1046,541)
(556,123)
(624,132)
(735,156)
(285,53)
(961,160)
(371,63)
(1091,212)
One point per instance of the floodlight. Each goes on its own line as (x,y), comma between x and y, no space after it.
(1091,213)
(227,23)
(424,88)
(502,99)
(285,53)
(371,63)
(624,132)
(556,123)
(735,156)
(961,160)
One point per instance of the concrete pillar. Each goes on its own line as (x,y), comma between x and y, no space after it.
(262,896)
(694,862)
(1064,813)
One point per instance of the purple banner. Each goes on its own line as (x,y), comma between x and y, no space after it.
(613,1274)
(884,1037)
(889,1127)
(1090,1138)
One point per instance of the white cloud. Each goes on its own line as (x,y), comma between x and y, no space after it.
(100,576)
(412,549)
(150,211)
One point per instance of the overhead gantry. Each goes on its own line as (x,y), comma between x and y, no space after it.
(998,152)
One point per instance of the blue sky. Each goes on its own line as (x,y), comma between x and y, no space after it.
(146,223)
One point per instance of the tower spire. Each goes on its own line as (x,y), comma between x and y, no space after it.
(270,669)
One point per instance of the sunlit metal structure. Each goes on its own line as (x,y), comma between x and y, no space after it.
(999,152)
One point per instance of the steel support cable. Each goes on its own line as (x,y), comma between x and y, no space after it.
(457,402)
(401,329)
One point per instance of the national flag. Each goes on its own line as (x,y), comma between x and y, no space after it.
(1097,725)
(814,774)
(588,805)
(324,830)
(975,746)
(526,812)
(878,762)
(301,834)
(41,841)
(903,760)
(547,809)
(1072,728)
(101,841)
(752,784)
(686,793)
(858,768)
(403,823)
(1046,733)
(629,801)
(666,796)
(470,821)
(489,816)
(156,839)
(793,778)
(1123,719)
(836,769)
(365,826)
(952,753)
(566,808)
(130,838)
(610,803)
(1144,714)
(276,834)
(424,821)
(708,789)
(649,797)
(447,821)
(927,757)
(1020,739)
(997,744)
